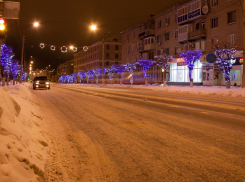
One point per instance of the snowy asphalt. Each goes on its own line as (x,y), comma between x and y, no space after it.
(138,135)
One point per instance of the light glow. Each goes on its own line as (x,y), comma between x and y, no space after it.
(36,24)
(93,27)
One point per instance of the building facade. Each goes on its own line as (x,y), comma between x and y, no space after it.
(196,24)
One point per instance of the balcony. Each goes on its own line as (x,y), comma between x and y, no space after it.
(198,34)
(149,47)
(147,31)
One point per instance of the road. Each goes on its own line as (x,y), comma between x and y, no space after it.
(115,134)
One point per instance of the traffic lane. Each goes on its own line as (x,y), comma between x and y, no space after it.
(205,105)
(146,148)
(186,95)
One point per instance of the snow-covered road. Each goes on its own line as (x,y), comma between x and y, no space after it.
(106,134)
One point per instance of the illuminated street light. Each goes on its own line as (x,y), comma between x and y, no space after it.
(36,24)
(93,27)
(31,62)
(71,47)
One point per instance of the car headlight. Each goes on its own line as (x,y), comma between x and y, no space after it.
(47,82)
(37,83)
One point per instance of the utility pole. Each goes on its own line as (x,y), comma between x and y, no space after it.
(243,75)
(22,55)
(103,57)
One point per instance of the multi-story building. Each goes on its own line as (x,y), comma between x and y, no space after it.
(196,24)
(93,57)
(66,68)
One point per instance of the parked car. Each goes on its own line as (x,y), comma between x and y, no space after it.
(41,82)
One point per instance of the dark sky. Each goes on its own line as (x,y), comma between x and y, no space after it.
(67,22)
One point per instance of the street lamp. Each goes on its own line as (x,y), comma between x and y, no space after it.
(93,27)
(36,24)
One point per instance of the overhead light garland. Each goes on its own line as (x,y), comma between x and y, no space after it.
(63,49)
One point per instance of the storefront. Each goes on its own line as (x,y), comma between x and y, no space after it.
(213,76)
(179,73)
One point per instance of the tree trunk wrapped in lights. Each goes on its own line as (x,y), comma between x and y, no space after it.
(224,57)
(131,69)
(110,71)
(6,59)
(87,76)
(163,61)
(119,69)
(91,73)
(190,58)
(145,66)
(81,74)
(97,73)
(74,77)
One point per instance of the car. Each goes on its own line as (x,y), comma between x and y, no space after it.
(41,82)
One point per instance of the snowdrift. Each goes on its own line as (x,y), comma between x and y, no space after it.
(23,148)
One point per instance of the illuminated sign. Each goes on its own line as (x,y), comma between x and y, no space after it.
(241,60)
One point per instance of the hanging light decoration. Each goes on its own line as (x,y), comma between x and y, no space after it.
(52,47)
(85,48)
(63,49)
(42,45)
(74,49)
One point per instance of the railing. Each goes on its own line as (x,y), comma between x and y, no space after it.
(197,34)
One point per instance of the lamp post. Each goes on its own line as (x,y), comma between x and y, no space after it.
(36,24)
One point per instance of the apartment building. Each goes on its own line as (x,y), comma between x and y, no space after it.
(93,57)
(196,24)
(66,68)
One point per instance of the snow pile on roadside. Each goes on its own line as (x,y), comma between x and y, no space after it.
(23,150)
(203,90)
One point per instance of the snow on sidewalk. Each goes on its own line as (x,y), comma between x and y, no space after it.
(201,90)
(23,148)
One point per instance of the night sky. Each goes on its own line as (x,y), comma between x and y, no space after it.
(65,23)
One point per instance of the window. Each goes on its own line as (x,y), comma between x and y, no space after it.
(235,75)
(197,45)
(166,36)
(107,46)
(158,52)
(133,47)
(116,56)
(159,24)
(203,25)
(159,39)
(116,47)
(107,63)
(138,45)
(232,17)
(134,59)
(116,63)
(175,17)
(176,50)
(134,35)
(128,37)
(107,55)
(203,46)
(176,34)
(197,26)
(167,21)
(151,55)
(167,51)
(214,22)
(128,49)
(232,39)
(214,41)
(214,3)
(186,47)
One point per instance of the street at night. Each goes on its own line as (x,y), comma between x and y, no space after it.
(106,134)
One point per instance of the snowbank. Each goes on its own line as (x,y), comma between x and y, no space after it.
(23,148)
(203,90)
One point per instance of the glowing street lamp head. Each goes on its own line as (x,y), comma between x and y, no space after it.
(71,47)
(93,27)
(36,24)
(31,62)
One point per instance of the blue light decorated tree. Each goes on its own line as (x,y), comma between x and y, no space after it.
(97,73)
(6,59)
(62,79)
(74,77)
(119,69)
(14,69)
(131,69)
(190,58)
(87,76)
(82,75)
(69,78)
(163,62)
(224,57)
(145,64)
(91,72)
(110,71)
